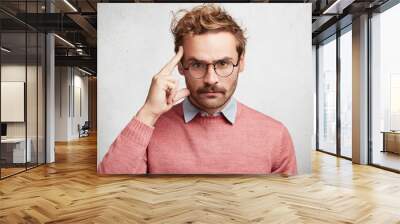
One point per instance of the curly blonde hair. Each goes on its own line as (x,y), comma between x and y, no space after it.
(206,18)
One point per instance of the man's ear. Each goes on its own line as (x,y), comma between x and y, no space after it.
(180,69)
(241,63)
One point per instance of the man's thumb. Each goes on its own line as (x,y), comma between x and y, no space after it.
(181,94)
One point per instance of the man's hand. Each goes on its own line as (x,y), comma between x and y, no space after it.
(163,93)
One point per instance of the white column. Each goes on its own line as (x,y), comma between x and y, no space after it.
(50,91)
(360,90)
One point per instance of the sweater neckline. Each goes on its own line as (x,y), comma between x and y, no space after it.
(209,119)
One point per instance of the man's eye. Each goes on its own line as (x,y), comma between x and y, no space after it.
(195,65)
(223,63)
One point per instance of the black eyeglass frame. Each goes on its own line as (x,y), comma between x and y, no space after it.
(205,71)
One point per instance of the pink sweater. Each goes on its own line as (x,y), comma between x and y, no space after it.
(254,144)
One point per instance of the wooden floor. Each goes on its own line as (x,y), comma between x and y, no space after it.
(5,172)
(70,191)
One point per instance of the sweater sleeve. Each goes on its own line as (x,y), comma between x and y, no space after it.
(127,154)
(285,161)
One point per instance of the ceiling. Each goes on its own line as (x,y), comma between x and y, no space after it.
(76,22)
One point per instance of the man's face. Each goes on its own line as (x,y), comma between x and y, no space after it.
(211,92)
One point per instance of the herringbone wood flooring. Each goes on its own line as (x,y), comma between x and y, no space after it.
(70,191)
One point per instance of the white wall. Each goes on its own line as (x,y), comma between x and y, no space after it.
(61,103)
(134,42)
(67,80)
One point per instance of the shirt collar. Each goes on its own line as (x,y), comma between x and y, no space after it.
(190,111)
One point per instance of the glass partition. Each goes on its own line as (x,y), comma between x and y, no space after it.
(22,78)
(13,95)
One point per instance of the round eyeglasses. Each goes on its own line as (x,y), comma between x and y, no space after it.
(223,68)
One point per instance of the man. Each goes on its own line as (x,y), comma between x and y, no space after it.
(210,132)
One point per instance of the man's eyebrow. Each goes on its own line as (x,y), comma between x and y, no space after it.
(195,59)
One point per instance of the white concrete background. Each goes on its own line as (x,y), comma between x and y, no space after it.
(134,42)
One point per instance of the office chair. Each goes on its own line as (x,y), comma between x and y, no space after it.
(84,130)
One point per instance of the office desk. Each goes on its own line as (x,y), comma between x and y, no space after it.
(391,141)
(13,150)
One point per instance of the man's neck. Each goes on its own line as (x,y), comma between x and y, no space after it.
(209,111)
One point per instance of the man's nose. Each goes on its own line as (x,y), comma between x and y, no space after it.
(211,77)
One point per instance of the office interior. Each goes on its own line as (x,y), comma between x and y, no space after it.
(48,101)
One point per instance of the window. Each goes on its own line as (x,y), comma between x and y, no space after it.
(327,96)
(385,88)
(346,93)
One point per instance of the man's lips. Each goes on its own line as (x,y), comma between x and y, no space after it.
(202,92)
(210,94)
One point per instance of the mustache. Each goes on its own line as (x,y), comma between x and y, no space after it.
(213,89)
